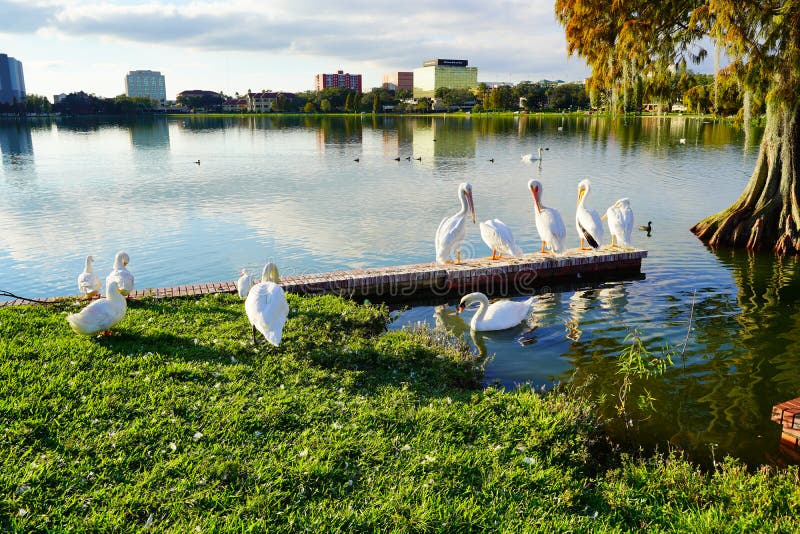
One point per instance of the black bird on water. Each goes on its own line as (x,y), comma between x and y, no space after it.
(419,158)
(408,158)
(356,160)
(491,160)
(397,158)
(198,162)
(648,228)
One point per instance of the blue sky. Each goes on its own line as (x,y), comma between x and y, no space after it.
(68,45)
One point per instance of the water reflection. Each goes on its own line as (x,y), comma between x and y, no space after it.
(16,144)
(150,134)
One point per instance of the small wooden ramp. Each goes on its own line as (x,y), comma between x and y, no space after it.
(787,415)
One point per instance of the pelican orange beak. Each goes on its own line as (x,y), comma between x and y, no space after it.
(581,193)
(535,193)
(471,205)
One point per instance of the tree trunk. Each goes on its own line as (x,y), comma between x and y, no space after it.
(767,214)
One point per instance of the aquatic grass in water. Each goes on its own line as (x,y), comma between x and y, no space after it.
(178,423)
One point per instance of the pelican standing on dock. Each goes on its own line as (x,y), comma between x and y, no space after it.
(100,315)
(500,315)
(549,223)
(453,230)
(498,237)
(89,283)
(588,222)
(620,222)
(120,274)
(266,306)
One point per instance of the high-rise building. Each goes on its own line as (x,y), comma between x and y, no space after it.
(402,81)
(12,82)
(450,73)
(340,79)
(149,83)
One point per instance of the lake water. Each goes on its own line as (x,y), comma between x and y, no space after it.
(288,189)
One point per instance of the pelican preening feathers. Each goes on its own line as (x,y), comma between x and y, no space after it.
(453,230)
(620,222)
(549,223)
(498,237)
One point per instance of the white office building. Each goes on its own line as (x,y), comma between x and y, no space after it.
(149,83)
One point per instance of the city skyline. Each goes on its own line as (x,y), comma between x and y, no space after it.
(70,46)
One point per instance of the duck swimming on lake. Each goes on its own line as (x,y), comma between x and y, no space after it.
(499,315)
(648,228)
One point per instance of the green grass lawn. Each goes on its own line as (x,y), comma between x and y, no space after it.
(178,423)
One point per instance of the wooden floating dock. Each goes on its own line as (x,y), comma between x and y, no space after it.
(787,415)
(504,276)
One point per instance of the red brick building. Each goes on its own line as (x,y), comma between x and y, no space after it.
(340,79)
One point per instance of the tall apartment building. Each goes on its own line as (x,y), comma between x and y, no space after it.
(12,81)
(149,83)
(450,73)
(340,79)
(403,81)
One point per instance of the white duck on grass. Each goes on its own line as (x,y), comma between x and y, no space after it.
(452,230)
(498,237)
(499,315)
(244,283)
(266,306)
(89,283)
(120,274)
(100,315)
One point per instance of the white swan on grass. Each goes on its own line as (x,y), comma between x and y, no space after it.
(266,306)
(89,283)
(498,237)
(120,274)
(500,315)
(100,315)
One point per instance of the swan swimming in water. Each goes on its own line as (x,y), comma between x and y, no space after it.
(100,315)
(527,158)
(452,230)
(266,306)
(499,315)
(89,283)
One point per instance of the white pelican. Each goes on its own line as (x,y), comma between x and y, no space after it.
(244,283)
(453,230)
(499,238)
(89,283)
(500,315)
(266,306)
(620,221)
(100,315)
(529,157)
(588,222)
(120,274)
(549,223)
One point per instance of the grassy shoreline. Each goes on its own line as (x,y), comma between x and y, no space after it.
(177,423)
